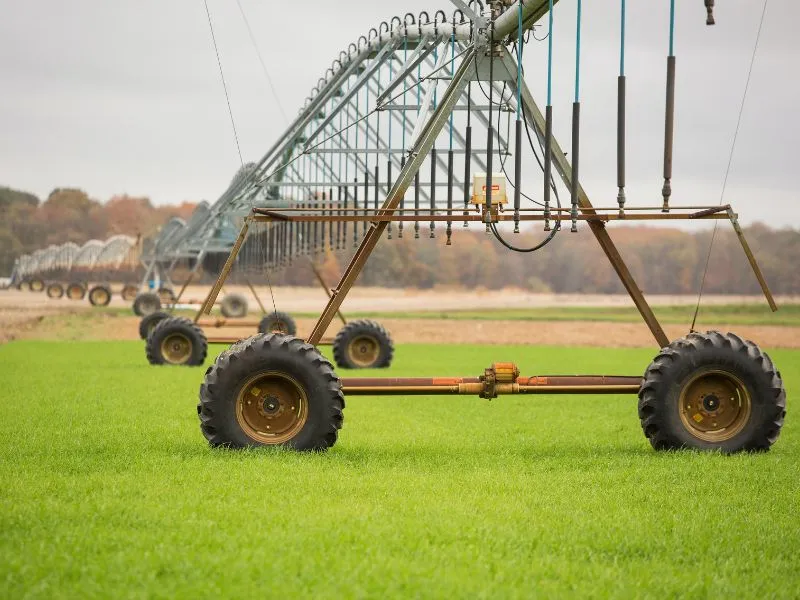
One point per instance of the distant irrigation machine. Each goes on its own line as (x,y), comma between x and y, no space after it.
(194,246)
(75,272)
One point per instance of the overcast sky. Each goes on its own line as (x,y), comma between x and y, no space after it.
(125,97)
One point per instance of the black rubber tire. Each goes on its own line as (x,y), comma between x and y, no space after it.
(76,291)
(36,285)
(129,292)
(146,303)
(359,328)
(284,354)
(233,306)
(166,295)
(103,300)
(278,322)
(173,325)
(55,290)
(148,323)
(677,363)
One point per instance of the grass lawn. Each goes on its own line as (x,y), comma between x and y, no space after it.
(723,314)
(788,315)
(109,490)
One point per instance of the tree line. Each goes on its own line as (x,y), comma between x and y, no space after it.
(70,215)
(663,260)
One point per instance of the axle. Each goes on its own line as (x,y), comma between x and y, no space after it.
(500,378)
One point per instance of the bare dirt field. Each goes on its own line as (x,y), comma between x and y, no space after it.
(27,315)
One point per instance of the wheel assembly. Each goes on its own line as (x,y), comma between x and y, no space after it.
(271,390)
(100,295)
(149,322)
(76,291)
(129,292)
(36,285)
(166,295)
(176,341)
(234,306)
(363,344)
(146,303)
(712,391)
(278,322)
(55,290)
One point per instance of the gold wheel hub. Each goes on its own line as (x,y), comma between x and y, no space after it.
(74,292)
(100,296)
(176,348)
(271,407)
(363,350)
(714,406)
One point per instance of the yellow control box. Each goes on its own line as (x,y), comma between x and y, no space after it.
(498,189)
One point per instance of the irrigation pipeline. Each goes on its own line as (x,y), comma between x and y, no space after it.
(499,379)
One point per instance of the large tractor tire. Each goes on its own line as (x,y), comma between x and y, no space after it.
(76,291)
(234,306)
(363,344)
(36,285)
(129,292)
(146,303)
(148,323)
(166,295)
(712,391)
(55,290)
(177,341)
(271,390)
(100,295)
(278,322)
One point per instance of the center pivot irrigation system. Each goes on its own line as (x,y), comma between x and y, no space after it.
(413,97)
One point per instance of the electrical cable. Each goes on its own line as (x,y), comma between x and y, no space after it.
(730,161)
(224,86)
(263,65)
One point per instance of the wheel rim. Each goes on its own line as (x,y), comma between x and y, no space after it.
(714,406)
(176,348)
(279,326)
(55,291)
(128,292)
(363,350)
(148,306)
(74,292)
(100,296)
(271,407)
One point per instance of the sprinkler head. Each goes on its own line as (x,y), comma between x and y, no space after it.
(710,12)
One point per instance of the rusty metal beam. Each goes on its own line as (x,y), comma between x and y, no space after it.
(255,295)
(375,217)
(547,384)
(752,260)
(214,292)
(326,288)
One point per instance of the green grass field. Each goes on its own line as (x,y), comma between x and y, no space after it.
(727,314)
(109,490)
